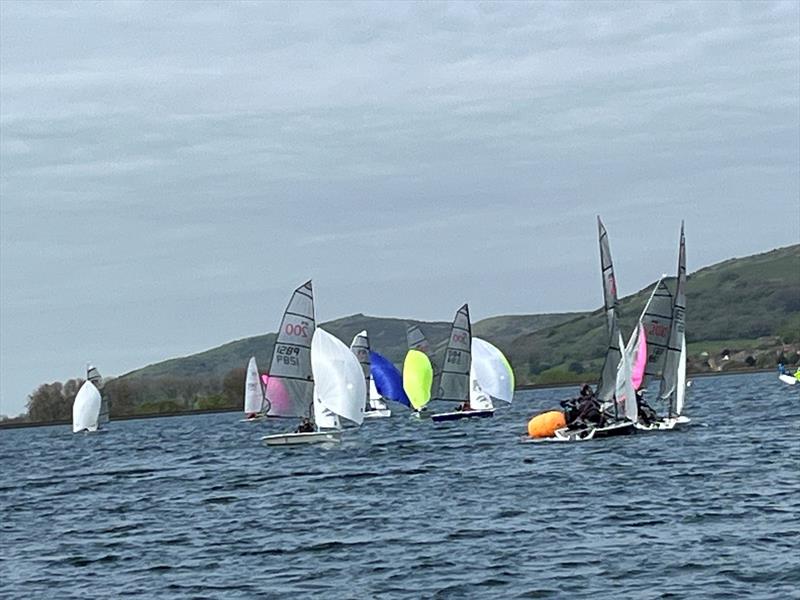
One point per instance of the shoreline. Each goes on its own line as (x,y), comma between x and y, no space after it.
(209,411)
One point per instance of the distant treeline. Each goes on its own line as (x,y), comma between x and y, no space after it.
(131,396)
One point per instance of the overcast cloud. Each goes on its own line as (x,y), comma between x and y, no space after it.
(170,172)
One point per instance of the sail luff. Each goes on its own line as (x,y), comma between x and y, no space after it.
(290,385)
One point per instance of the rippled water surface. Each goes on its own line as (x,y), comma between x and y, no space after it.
(197,507)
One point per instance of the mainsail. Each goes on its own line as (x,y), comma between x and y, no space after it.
(657,322)
(608,375)
(676,352)
(339,384)
(360,347)
(453,381)
(93,375)
(291,382)
(416,340)
(253,390)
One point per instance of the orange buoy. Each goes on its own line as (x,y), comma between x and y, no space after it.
(545,424)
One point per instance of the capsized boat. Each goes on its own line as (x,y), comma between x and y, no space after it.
(254,399)
(417,380)
(375,407)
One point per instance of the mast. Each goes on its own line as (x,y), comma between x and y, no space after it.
(608,375)
(453,381)
(290,386)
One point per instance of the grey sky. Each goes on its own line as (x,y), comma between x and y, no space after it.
(169,172)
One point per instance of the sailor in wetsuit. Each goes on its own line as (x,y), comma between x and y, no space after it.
(584,409)
(647,415)
(306,426)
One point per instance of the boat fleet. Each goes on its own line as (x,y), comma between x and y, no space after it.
(327,387)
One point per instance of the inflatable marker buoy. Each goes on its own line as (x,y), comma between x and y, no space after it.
(544,425)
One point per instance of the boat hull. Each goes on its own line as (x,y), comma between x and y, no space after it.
(298,439)
(252,420)
(589,433)
(664,424)
(380,413)
(788,379)
(462,414)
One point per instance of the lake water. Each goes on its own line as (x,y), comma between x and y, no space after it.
(196,507)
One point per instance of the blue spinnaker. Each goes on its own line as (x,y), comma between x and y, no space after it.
(388,380)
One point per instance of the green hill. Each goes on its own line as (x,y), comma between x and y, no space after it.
(742,304)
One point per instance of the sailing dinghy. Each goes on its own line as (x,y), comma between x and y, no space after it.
(375,407)
(93,375)
(788,379)
(454,382)
(86,409)
(290,386)
(670,363)
(612,420)
(254,399)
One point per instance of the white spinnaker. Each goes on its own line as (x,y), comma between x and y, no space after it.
(490,369)
(338,378)
(478,399)
(253,392)
(86,408)
(624,392)
(324,418)
(680,389)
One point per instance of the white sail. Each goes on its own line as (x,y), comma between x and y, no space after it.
(491,370)
(253,391)
(608,374)
(360,347)
(338,378)
(624,392)
(453,381)
(291,383)
(680,388)
(657,322)
(323,417)
(677,331)
(86,408)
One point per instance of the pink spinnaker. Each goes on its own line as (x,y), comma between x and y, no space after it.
(639,364)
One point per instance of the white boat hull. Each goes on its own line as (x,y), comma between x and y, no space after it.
(664,424)
(297,439)
(252,419)
(788,379)
(380,413)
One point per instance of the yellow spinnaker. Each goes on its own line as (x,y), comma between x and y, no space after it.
(417,378)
